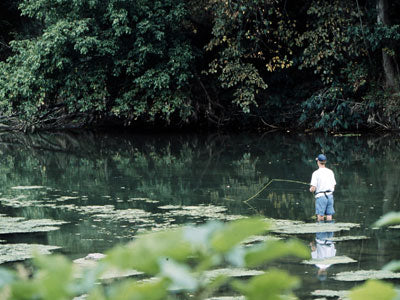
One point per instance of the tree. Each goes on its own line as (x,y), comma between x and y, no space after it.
(389,67)
(92,58)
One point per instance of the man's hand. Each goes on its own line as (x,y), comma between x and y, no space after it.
(312,189)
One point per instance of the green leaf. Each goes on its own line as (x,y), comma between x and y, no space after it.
(179,274)
(237,231)
(131,289)
(391,218)
(392,266)
(200,236)
(144,253)
(271,250)
(372,290)
(269,286)
(54,276)
(6,277)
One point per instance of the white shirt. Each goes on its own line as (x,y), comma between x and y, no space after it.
(324,180)
(322,252)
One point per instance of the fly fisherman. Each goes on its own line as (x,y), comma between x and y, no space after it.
(322,185)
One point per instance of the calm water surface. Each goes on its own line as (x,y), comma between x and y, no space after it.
(111,187)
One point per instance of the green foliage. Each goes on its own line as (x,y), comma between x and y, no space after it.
(127,58)
(177,257)
(179,61)
(251,37)
(388,219)
(274,284)
(331,110)
(375,289)
(326,43)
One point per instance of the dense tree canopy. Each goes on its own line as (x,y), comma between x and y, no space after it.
(175,63)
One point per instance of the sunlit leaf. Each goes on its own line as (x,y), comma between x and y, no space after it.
(199,236)
(271,285)
(271,250)
(6,277)
(392,266)
(130,289)
(237,231)
(372,290)
(236,256)
(180,275)
(54,276)
(391,218)
(143,254)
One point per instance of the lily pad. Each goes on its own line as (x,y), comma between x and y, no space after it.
(344,295)
(362,275)
(28,187)
(348,238)
(330,261)
(20,201)
(91,261)
(298,227)
(20,225)
(126,214)
(395,227)
(232,272)
(258,239)
(200,211)
(18,252)
(146,200)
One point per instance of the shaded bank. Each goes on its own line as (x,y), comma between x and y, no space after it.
(200,64)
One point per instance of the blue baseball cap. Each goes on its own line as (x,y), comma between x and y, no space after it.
(321,157)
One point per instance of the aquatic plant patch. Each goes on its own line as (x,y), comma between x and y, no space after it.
(146,200)
(132,215)
(21,225)
(348,238)
(343,295)
(28,187)
(362,275)
(330,261)
(91,261)
(298,227)
(199,212)
(232,272)
(259,239)
(19,201)
(18,252)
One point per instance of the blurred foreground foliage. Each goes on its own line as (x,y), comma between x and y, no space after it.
(176,264)
(378,289)
(178,260)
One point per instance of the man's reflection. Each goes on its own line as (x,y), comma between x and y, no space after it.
(322,248)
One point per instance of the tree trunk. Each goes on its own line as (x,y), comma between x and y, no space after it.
(382,7)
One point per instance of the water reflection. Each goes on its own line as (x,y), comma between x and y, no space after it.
(109,186)
(323,248)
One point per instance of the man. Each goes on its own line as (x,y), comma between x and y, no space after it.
(323,184)
(321,249)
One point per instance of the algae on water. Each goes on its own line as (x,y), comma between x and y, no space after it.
(343,295)
(330,261)
(21,225)
(27,187)
(18,252)
(298,227)
(362,275)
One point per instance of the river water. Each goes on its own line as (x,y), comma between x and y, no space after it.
(110,187)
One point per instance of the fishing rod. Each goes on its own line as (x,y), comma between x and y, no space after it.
(271,181)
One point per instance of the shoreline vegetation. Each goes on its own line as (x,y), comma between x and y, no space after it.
(246,65)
